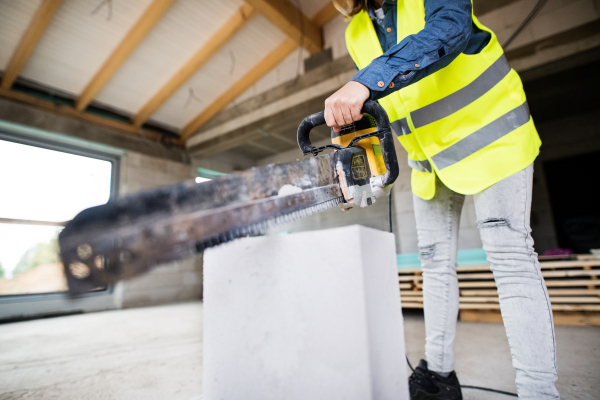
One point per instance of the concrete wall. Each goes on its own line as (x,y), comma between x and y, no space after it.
(561,138)
(177,281)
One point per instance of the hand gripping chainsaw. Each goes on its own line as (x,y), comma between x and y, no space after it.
(131,234)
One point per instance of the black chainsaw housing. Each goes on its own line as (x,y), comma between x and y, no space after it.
(355,166)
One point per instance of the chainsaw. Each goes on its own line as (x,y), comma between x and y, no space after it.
(131,234)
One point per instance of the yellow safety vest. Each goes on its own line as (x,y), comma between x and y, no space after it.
(467,123)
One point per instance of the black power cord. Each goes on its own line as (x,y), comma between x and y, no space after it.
(408,361)
(390,211)
(489,390)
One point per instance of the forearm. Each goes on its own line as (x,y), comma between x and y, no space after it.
(445,36)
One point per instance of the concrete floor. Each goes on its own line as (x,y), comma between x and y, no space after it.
(155,353)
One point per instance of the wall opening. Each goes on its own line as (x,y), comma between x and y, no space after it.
(574,199)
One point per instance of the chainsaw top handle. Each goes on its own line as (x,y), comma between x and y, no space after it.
(383,132)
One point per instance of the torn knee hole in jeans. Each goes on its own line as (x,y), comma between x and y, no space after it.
(492,223)
(426,252)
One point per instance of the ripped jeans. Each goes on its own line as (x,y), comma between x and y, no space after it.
(503,219)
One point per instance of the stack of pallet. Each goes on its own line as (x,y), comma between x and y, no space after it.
(573,286)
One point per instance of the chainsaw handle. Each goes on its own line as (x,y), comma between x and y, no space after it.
(383,132)
(307,125)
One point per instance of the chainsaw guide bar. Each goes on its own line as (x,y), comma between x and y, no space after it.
(128,236)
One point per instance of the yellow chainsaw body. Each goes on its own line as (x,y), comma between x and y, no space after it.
(371,145)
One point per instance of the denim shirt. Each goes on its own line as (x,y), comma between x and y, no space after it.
(449,31)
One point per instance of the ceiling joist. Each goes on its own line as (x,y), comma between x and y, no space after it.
(289,19)
(212,46)
(95,119)
(30,38)
(134,37)
(268,63)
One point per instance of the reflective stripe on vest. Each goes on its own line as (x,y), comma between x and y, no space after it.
(422,166)
(401,127)
(462,97)
(482,137)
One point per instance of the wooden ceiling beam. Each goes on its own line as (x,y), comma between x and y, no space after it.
(134,37)
(95,119)
(29,40)
(325,15)
(264,66)
(206,52)
(289,19)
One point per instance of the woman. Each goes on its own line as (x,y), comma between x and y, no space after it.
(461,113)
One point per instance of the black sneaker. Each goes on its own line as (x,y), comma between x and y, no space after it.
(427,385)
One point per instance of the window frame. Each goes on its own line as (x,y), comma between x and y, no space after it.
(59,303)
(208,173)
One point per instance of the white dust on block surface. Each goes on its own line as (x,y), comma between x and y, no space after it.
(288,189)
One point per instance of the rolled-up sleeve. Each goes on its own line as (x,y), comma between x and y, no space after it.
(445,36)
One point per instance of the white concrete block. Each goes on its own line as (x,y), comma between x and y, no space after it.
(313,315)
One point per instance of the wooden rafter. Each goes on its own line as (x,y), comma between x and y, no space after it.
(264,66)
(30,38)
(136,34)
(325,15)
(214,44)
(285,16)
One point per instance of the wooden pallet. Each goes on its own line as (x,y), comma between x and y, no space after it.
(573,286)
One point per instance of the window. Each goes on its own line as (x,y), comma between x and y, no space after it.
(43,184)
(207,174)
